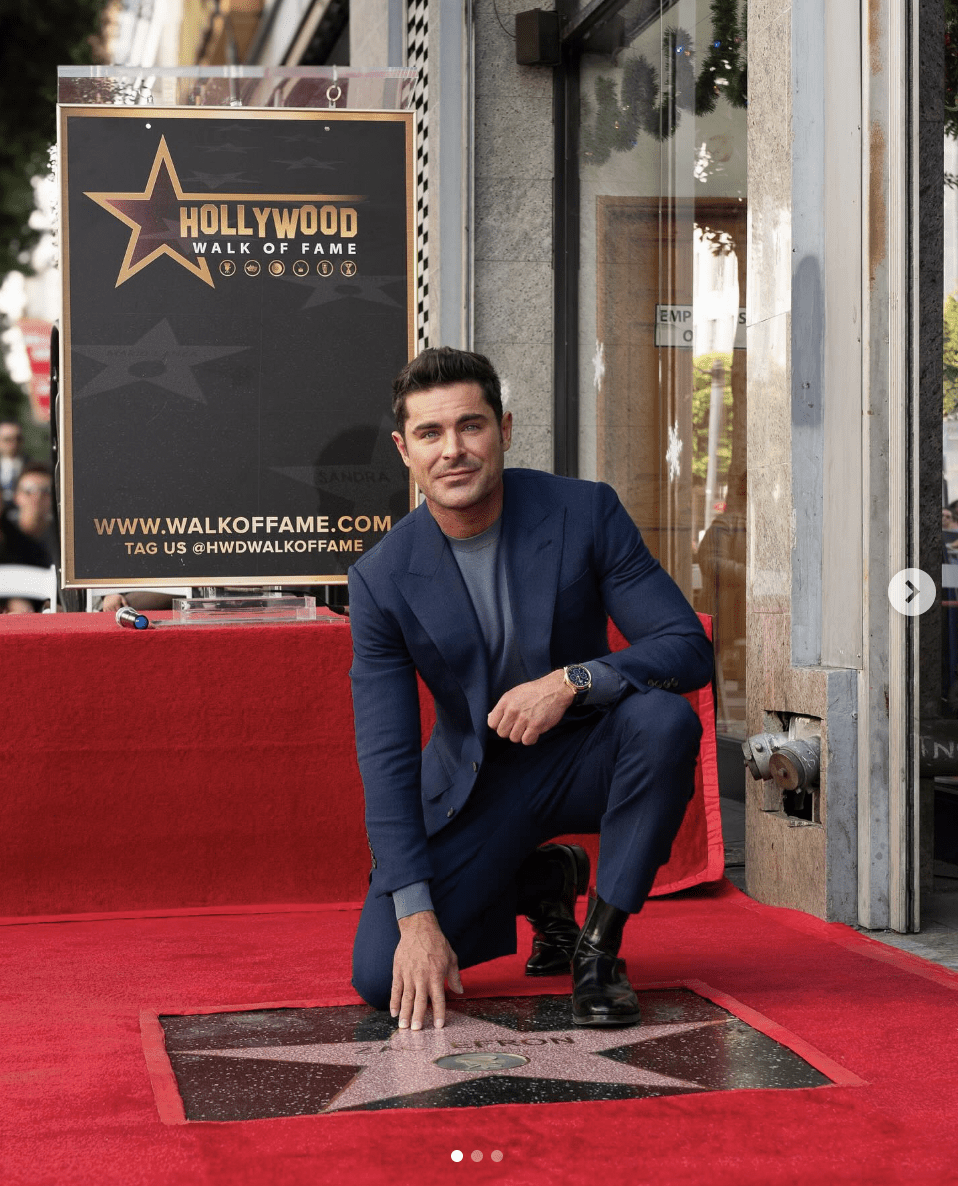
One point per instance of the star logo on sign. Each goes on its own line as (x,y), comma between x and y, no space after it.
(215,180)
(227,146)
(157,358)
(360,288)
(153,218)
(153,215)
(407,1064)
(308,162)
(346,479)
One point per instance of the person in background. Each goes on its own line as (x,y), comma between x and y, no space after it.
(33,508)
(12,459)
(17,548)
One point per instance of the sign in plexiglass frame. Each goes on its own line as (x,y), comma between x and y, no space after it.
(239,291)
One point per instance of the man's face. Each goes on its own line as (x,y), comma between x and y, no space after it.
(10,438)
(455,451)
(33,498)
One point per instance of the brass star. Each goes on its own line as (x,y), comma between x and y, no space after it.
(153,216)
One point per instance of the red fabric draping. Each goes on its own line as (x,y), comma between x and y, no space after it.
(192,766)
(201,767)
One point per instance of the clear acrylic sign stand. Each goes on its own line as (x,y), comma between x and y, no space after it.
(315,88)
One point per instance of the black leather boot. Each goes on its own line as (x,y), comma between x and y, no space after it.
(601,993)
(564,869)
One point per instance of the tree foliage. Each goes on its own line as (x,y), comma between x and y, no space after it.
(36,36)
(950,358)
(702,366)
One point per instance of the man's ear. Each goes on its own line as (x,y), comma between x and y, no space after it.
(401,446)
(505,430)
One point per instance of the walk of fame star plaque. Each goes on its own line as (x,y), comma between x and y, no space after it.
(239,293)
(296,1061)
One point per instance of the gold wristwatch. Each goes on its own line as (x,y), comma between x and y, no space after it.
(579,679)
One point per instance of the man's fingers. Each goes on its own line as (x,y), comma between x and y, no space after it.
(406,1008)
(423,995)
(453,979)
(438,1005)
(395,999)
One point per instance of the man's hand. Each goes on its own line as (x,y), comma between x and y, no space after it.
(528,710)
(422,964)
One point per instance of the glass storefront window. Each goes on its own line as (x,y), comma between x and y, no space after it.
(662,174)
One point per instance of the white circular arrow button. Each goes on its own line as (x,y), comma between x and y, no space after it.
(912,591)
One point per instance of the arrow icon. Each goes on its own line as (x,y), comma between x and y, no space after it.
(912,592)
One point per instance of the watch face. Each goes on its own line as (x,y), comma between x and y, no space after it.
(579,677)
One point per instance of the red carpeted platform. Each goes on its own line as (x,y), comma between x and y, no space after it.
(203,767)
(77,1105)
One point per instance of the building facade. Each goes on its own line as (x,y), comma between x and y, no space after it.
(703,242)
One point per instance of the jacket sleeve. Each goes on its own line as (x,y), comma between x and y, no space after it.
(668,646)
(388,741)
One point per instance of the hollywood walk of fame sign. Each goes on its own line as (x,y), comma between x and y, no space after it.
(305,1061)
(238,297)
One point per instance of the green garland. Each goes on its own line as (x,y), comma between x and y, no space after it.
(724,69)
(640,104)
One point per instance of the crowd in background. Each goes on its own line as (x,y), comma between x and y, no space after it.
(27,535)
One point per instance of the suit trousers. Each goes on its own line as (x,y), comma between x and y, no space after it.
(626,772)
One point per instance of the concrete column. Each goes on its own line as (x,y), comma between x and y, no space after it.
(513,227)
(804,410)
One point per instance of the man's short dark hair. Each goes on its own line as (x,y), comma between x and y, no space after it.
(441,366)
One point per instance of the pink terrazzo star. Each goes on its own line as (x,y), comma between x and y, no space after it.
(406,1063)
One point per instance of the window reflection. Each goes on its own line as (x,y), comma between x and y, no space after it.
(662,300)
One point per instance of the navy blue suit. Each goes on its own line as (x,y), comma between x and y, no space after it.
(469,808)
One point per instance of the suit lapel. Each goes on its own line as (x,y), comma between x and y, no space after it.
(434,589)
(533,535)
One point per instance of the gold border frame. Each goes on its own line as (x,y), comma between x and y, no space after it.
(65,113)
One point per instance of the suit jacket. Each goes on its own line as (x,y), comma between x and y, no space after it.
(573,557)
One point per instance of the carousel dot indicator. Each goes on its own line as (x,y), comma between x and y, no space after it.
(496,1155)
(477,1155)
(456,1155)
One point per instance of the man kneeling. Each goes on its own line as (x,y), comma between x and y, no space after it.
(497,591)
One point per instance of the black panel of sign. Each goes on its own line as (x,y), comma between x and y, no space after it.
(238,296)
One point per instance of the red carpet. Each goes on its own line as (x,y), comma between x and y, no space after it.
(77,1105)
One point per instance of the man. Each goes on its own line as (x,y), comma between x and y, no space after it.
(18,548)
(496,591)
(12,459)
(33,503)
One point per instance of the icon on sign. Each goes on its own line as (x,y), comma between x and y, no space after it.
(227,268)
(324,267)
(251,267)
(300,268)
(347,267)
(277,267)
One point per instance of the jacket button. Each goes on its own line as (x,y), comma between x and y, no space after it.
(475,767)
(450,813)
